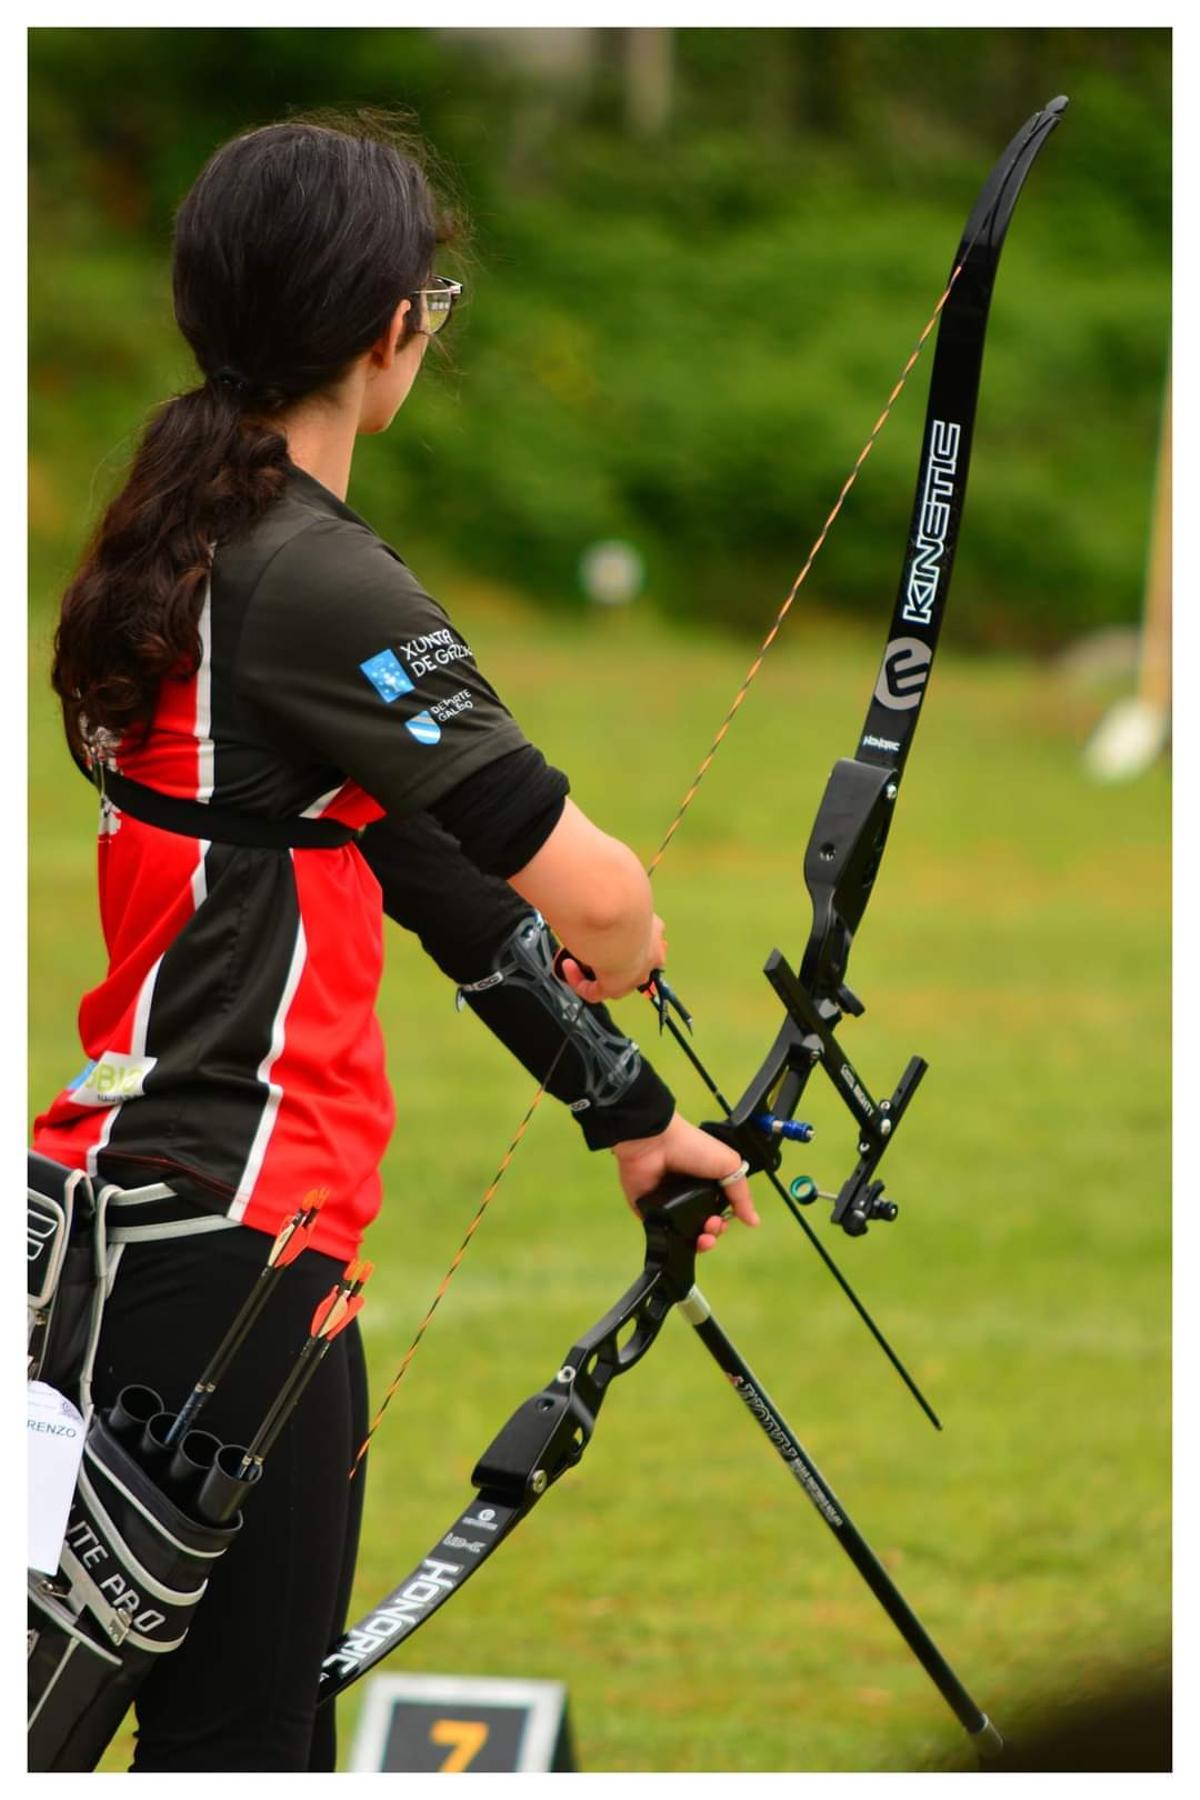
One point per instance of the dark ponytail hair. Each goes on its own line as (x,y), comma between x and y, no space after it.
(292,251)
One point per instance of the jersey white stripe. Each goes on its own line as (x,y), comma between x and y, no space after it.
(205,776)
(266,1123)
(141,1012)
(200,877)
(318,806)
(105,1133)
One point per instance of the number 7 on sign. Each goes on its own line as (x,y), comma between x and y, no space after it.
(465,1739)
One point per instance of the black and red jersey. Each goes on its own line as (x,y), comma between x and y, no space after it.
(232,1048)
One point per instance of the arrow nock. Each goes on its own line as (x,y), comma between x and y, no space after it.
(294,1235)
(342,1301)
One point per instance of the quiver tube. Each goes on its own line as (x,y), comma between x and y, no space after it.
(67,1267)
(134,1568)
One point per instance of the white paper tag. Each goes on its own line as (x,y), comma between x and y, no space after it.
(55,1434)
(117,1076)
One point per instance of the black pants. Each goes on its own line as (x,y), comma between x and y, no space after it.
(241,1691)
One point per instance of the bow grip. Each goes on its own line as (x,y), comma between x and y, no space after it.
(673,1215)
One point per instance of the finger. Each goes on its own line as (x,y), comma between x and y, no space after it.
(562,956)
(736,1189)
(713,1227)
(587,987)
(569,971)
(744,1207)
(742,1201)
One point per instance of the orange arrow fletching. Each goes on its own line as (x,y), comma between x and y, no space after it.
(353,1305)
(294,1235)
(298,1234)
(347,1300)
(328,1319)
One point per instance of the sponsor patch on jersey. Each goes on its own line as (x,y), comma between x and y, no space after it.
(434,650)
(385,673)
(115,1077)
(445,710)
(424,728)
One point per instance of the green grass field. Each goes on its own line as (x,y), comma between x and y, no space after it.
(699,1611)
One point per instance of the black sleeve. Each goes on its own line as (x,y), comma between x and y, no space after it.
(462,917)
(342,653)
(503,813)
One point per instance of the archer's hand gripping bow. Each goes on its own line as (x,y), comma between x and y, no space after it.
(548,1434)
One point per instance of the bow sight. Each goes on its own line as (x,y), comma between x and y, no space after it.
(839,870)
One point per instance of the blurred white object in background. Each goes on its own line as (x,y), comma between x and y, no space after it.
(1135,731)
(1129,738)
(612,572)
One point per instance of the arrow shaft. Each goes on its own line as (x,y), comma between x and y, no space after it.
(221,1359)
(285,1402)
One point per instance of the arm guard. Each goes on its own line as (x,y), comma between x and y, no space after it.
(611,1062)
(470,924)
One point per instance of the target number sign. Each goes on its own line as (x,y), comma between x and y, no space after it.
(462,1725)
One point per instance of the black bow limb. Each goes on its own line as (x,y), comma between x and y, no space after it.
(548,1434)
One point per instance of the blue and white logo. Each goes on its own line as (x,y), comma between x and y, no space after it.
(424,728)
(386,675)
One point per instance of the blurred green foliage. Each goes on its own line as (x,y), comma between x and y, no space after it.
(680,338)
(685,340)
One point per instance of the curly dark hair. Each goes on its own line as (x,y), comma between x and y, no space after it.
(292,251)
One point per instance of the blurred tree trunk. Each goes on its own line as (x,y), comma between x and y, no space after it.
(1154,683)
(649,79)
(824,80)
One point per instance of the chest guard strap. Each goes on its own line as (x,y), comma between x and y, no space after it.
(216,824)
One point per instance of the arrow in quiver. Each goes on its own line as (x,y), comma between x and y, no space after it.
(154,1505)
(143,1536)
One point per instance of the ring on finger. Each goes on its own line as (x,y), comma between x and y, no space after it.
(738,1174)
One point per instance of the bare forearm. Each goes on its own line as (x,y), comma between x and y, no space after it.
(596,896)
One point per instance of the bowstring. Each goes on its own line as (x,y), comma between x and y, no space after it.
(472,1228)
(656,859)
(785,609)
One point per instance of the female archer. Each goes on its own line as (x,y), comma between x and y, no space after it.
(292,739)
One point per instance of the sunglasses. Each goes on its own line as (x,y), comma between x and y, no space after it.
(439,302)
